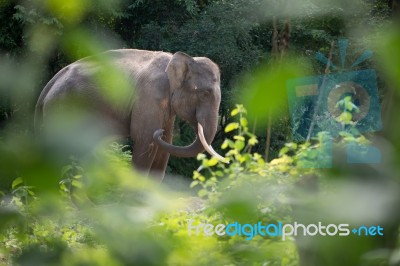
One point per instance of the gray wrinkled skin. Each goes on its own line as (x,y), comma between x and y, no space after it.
(149,90)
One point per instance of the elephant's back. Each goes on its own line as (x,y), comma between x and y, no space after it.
(133,59)
(81,80)
(140,63)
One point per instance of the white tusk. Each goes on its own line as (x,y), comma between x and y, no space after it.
(208,148)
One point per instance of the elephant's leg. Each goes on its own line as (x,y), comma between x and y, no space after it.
(157,169)
(143,154)
(146,120)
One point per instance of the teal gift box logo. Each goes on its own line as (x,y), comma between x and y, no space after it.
(331,102)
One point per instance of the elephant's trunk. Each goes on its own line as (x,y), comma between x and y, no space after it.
(201,143)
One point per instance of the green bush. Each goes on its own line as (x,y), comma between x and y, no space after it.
(105,214)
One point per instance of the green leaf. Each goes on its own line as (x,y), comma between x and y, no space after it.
(66,169)
(202,193)
(257,156)
(234,112)
(291,145)
(219,173)
(231,144)
(63,187)
(253,141)
(239,138)
(201,156)
(231,126)
(349,105)
(224,144)
(212,162)
(345,118)
(194,183)
(243,122)
(265,92)
(239,145)
(76,184)
(18,181)
(196,175)
(283,151)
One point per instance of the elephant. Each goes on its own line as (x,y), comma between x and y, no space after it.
(161,86)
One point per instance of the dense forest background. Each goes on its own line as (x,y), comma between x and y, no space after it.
(237,35)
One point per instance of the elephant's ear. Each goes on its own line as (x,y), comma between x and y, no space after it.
(178,68)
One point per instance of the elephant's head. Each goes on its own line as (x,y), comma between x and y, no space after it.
(195,97)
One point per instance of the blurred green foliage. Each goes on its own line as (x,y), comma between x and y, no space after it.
(104,214)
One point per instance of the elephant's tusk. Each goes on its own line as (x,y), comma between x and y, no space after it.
(208,148)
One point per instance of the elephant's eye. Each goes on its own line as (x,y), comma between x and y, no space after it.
(204,93)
